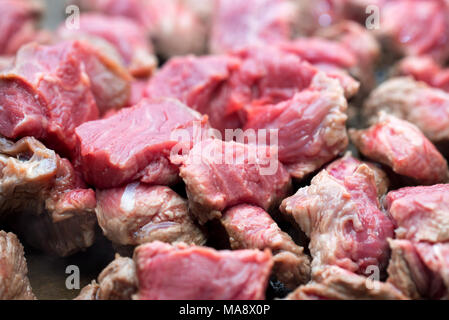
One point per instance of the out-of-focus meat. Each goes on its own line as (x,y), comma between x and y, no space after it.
(200,273)
(342,218)
(238,24)
(18,20)
(138,213)
(197,82)
(52,89)
(136,143)
(219,175)
(311,126)
(138,88)
(117,281)
(420,270)
(334,283)
(250,227)
(424,69)
(402,146)
(6,62)
(43,198)
(427,108)
(421,213)
(14,283)
(424,32)
(347,165)
(127,37)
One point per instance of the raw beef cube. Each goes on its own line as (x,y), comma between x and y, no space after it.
(311,126)
(238,24)
(420,213)
(14,283)
(118,281)
(43,198)
(138,213)
(424,32)
(136,143)
(425,69)
(182,272)
(402,146)
(219,175)
(251,227)
(129,40)
(420,270)
(425,107)
(334,283)
(343,220)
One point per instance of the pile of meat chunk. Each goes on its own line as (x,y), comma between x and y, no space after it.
(230,149)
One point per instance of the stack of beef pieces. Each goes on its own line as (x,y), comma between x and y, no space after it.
(225,174)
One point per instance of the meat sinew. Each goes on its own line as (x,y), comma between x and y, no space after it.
(311,126)
(52,89)
(138,213)
(250,227)
(128,38)
(425,107)
(338,284)
(341,216)
(402,146)
(136,143)
(14,283)
(219,175)
(200,273)
(118,281)
(44,199)
(420,213)
(238,24)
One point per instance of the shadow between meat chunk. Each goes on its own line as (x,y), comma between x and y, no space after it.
(43,199)
(14,283)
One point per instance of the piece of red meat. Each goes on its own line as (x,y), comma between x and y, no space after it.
(128,38)
(182,272)
(420,213)
(401,145)
(18,19)
(311,126)
(424,32)
(138,213)
(251,227)
(425,69)
(239,24)
(414,101)
(219,175)
(420,270)
(136,143)
(342,218)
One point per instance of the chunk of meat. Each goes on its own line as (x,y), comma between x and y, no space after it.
(425,107)
(184,272)
(311,126)
(136,143)
(402,146)
(6,62)
(118,281)
(128,38)
(347,165)
(219,175)
(138,213)
(341,216)
(420,213)
(250,227)
(424,69)
(238,24)
(334,283)
(18,19)
(14,283)
(420,270)
(424,32)
(43,199)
